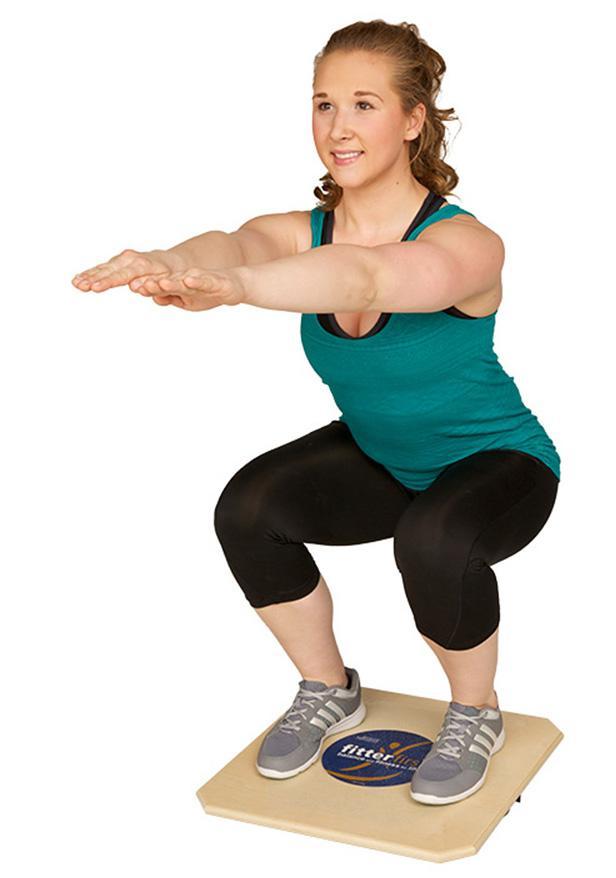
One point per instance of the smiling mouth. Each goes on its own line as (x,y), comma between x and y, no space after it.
(347,159)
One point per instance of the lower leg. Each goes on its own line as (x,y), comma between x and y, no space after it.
(304,630)
(470,672)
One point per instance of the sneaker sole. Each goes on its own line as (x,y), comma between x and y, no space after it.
(353,719)
(427,799)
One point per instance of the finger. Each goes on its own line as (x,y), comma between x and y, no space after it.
(169,300)
(148,285)
(84,279)
(189,282)
(136,283)
(156,283)
(125,258)
(102,281)
(203,282)
(110,278)
(116,271)
(171,283)
(89,272)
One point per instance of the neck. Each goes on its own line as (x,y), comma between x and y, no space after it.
(367,214)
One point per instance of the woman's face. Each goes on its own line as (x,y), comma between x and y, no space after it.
(371,123)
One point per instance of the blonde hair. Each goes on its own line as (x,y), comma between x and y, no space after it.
(417,71)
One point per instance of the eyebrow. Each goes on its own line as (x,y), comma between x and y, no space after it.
(323,94)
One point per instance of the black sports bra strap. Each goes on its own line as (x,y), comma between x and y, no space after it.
(431,204)
(326,228)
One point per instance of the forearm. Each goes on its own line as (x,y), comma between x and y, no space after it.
(210,250)
(337,277)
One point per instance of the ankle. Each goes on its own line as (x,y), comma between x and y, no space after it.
(490,701)
(330,679)
(341,683)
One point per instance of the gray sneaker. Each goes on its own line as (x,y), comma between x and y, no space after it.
(457,763)
(318,711)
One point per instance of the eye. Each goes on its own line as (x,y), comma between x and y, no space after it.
(323,103)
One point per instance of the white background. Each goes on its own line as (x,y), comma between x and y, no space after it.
(133,669)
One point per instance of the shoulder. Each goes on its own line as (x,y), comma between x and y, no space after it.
(295,226)
(463,231)
(477,254)
(274,235)
(302,220)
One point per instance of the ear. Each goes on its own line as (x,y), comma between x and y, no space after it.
(415,122)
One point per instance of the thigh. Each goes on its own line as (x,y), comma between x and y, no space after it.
(482,508)
(320,488)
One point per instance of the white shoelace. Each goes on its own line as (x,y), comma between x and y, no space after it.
(304,695)
(457,726)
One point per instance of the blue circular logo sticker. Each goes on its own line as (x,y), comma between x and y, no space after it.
(377,757)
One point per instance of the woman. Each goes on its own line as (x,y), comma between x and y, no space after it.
(434,446)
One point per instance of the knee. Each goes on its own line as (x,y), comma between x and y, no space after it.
(424,550)
(240,503)
(451,590)
(250,504)
(250,520)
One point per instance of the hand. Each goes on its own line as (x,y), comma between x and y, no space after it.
(127,266)
(194,289)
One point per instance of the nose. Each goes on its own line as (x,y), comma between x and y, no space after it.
(340,132)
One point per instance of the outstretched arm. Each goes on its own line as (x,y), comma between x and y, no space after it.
(333,277)
(345,277)
(449,264)
(271,236)
(213,249)
(260,239)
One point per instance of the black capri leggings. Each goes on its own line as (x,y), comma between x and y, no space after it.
(322,488)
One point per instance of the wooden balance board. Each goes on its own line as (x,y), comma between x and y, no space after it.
(347,798)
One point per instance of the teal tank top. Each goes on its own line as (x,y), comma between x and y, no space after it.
(422,390)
